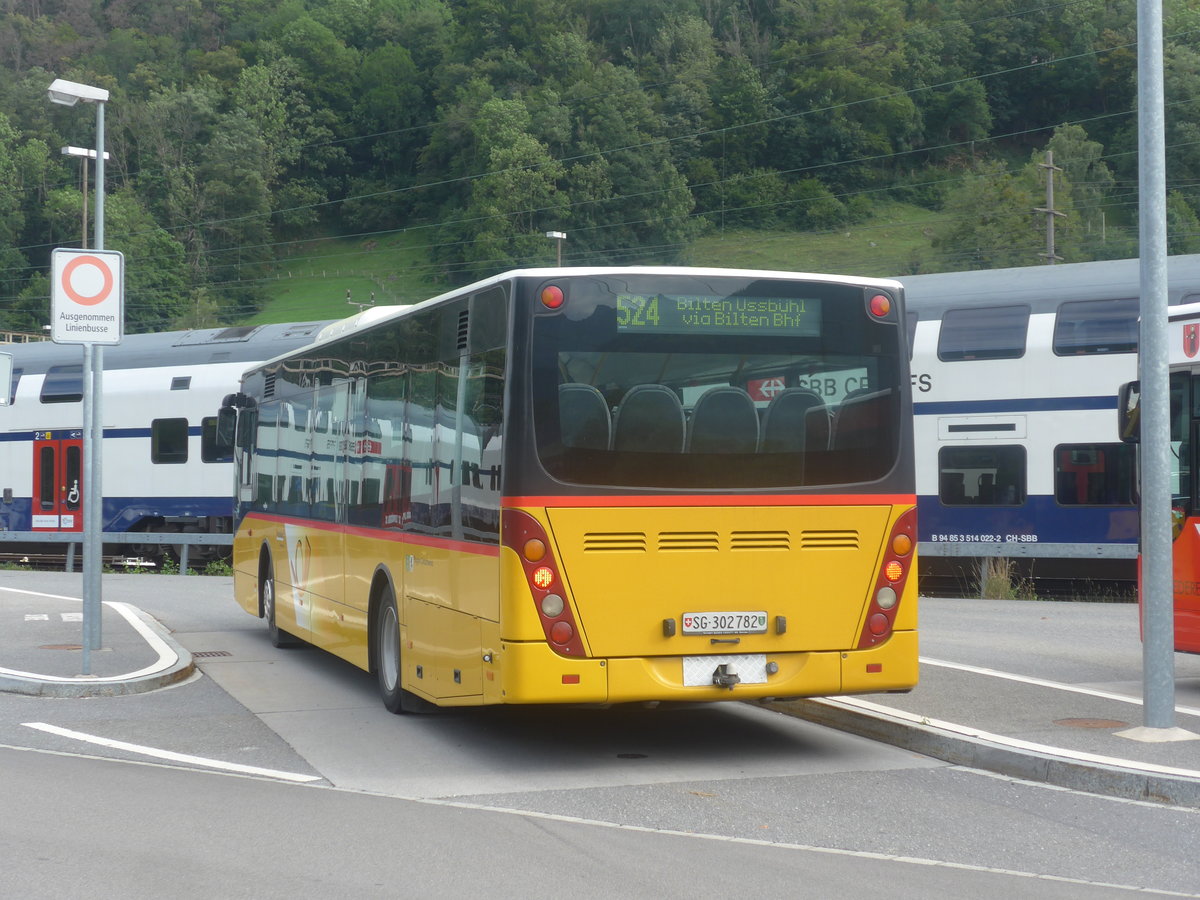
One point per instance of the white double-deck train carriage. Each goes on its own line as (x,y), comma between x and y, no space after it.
(1015,377)
(161,471)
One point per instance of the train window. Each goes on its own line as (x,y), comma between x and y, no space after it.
(209,451)
(981,476)
(169,441)
(63,384)
(1096,326)
(16,380)
(996,332)
(1094,474)
(181,382)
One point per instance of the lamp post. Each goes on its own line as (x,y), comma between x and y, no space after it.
(558,237)
(69,93)
(85,154)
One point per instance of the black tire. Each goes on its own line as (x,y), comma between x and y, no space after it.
(266,596)
(388,665)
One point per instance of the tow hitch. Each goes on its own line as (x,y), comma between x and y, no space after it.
(725,675)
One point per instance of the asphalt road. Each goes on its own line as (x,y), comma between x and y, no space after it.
(692,802)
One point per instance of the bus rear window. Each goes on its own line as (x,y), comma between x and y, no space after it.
(772,385)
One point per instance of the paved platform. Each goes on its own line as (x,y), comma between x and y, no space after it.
(1057,728)
(41,648)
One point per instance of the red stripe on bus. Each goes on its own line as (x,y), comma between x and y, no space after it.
(402,537)
(717,500)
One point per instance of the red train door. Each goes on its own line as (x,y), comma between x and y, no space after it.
(57,481)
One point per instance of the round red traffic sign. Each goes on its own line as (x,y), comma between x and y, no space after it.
(80,284)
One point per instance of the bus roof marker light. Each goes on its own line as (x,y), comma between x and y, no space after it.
(881,305)
(553,297)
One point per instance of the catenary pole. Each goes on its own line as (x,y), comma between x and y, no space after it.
(1158,645)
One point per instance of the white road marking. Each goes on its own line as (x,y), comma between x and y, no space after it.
(703,836)
(36,617)
(810,848)
(1042,682)
(40,594)
(170,755)
(72,617)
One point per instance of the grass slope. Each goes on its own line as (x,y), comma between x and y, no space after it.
(311,283)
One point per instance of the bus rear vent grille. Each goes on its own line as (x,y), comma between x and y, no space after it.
(829,540)
(760,540)
(688,540)
(604,542)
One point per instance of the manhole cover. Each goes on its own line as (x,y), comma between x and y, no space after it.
(61,647)
(1091,723)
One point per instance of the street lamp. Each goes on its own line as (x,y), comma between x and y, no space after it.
(85,154)
(559,237)
(69,93)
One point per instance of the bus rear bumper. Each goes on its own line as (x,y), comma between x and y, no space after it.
(532,673)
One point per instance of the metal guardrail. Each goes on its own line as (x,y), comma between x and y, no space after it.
(73,539)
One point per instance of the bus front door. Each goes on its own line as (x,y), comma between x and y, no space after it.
(57,481)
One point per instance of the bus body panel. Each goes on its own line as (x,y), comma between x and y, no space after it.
(1186,555)
(812,565)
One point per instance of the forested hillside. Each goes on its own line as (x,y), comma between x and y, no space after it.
(240,128)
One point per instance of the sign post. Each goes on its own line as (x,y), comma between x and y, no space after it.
(87,306)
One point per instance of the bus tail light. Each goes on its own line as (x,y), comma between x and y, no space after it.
(889,583)
(525,536)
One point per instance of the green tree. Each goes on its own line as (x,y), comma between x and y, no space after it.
(517,200)
(987,222)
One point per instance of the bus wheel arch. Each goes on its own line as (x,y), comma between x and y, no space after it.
(385,654)
(268,599)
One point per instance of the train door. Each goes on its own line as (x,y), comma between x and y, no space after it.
(57,481)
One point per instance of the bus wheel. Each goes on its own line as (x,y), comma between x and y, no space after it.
(266,590)
(387,660)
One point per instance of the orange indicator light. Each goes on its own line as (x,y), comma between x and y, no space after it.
(893,571)
(534,549)
(902,545)
(543,577)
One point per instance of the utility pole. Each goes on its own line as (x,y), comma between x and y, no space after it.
(1049,210)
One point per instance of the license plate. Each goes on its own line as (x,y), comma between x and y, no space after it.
(725,622)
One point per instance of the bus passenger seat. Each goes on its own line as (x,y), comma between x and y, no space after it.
(861,420)
(724,420)
(583,417)
(649,420)
(786,424)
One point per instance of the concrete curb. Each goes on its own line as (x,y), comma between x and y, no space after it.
(174,664)
(964,747)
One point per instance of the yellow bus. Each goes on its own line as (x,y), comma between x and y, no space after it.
(591,486)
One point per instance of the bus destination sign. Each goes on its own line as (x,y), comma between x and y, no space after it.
(692,313)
